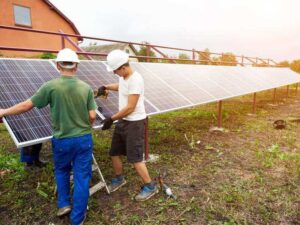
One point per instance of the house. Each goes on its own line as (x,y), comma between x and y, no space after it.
(37,15)
(105,49)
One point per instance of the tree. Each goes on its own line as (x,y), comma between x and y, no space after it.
(183,56)
(228,59)
(284,64)
(295,65)
(204,57)
(143,52)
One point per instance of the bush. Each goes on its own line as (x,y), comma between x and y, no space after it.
(47,55)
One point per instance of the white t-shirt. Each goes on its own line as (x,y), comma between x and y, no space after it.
(133,85)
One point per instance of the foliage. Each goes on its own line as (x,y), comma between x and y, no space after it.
(226,59)
(284,64)
(47,55)
(184,57)
(10,163)
(143,52)
(204,57)
(295,65)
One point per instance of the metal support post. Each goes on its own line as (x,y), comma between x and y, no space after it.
(220,114)
(274,95)
(63,45)
(254,103)
(148,52)
(193,56)
(147,140)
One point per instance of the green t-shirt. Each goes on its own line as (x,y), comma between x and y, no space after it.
(70,101)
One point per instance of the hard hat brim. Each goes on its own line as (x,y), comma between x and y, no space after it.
(109,69)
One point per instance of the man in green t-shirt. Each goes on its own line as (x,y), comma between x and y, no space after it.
(72,107)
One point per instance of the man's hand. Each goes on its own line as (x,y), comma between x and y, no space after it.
(101,91)
(1,114)
(107,123)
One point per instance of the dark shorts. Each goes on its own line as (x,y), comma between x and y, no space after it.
(129,140)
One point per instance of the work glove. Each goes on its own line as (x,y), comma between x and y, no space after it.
(107,123)
(101,91)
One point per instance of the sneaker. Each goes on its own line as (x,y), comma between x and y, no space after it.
(116,184)
(63,211)
(146,193)
(40,163)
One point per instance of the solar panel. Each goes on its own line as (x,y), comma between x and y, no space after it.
(19,80)
(167,87)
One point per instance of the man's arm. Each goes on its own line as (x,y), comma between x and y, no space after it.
(132,101)
(112,87)
(17,109)
(92,116)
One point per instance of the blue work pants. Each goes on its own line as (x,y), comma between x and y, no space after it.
(31,153)
(73,152)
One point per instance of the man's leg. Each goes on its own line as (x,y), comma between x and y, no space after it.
(117,165)
(62,155)
(118,181)
(142,171)
(26,155)
(82,167)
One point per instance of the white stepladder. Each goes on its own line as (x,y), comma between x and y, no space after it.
(98,186)
(101,184)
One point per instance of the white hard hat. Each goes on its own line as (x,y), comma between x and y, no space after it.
(115,59)
(67,55)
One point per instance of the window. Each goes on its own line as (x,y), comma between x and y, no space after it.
(22,16)
(127,51)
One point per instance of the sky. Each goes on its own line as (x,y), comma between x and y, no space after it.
(258,28)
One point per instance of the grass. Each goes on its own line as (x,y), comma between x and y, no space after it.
(247,175)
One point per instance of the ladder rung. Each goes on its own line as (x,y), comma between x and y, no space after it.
(94,167)
(96,187)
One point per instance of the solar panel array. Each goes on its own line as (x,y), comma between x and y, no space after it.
(167,87)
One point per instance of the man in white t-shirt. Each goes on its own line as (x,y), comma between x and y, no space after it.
(129,134)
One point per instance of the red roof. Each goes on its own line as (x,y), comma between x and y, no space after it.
(63,15)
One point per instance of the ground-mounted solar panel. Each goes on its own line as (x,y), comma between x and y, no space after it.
(161,94)
(216,82)
(167,87)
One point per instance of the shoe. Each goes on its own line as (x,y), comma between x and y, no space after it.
(116,184)
(63,211)
(29,166)
(40,163)
(146,193)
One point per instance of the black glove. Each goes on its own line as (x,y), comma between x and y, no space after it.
(107,123)
(101,91)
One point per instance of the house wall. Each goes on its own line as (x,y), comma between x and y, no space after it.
(42,18)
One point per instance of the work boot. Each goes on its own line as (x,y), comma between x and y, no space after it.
(116,183)
(40,163)
(63,211)
(147,191)
(29,166)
